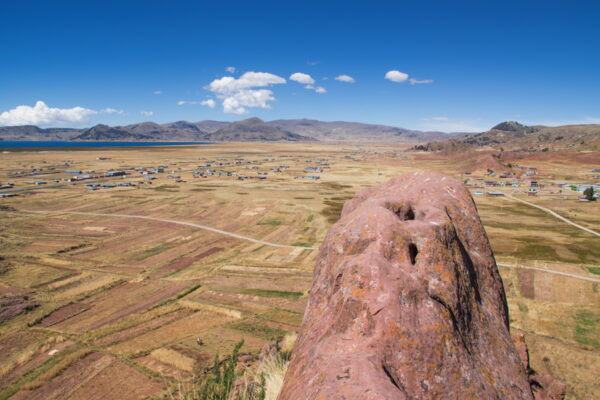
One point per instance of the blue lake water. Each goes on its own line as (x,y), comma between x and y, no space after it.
(62,144)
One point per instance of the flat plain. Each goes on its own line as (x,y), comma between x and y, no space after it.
(119,283)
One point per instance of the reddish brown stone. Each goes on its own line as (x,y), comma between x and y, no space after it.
(544,386)
(407,303)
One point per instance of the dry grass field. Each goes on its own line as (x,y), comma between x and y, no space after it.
(121,300)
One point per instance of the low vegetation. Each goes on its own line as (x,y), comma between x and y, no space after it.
(271,222)
(586,328)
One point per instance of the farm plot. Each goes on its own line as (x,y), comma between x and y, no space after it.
(114,304)
(80,284)
(184,262)
(188,326)
(95,376)
(221,339)
(141,328)
(25,274)
(30,357)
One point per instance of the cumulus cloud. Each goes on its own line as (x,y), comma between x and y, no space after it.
(345,78)
(111,111)
(231,70)
(236,103)
(229,84)
(318,89)
(147,113)
(302,78)
(42,115)
(396,76)
(157,92)
(181,102)
(417,82)
(210,103)
(238,94)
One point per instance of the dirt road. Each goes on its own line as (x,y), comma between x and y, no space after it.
(550,271)
(170,221)
(554,215)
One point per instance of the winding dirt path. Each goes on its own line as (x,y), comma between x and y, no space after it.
(170,221)
(554,214)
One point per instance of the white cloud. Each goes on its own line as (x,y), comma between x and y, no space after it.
(396,76)
(318,89)
(111,111)
(157,92)
(436,119)
(209,103)
(231,70)
(237,94)
(417,82)
(42,115)
(345,78)
(302,78)
(147,113)
(181,102)
(229,84)
(236,103)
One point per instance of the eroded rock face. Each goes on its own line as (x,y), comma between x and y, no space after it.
(407,303)
(543,385)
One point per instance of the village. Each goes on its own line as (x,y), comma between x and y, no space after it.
(63,174)
(527,180)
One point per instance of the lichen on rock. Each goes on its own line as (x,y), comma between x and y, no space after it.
(407,303)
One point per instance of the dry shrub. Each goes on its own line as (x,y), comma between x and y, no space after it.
(287,343)
(262,381)
(267,377)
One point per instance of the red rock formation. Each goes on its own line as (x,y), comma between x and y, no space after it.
(407,303)
(544,385)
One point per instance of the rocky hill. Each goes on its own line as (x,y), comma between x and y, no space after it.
(210,126)
(517,137)
(31,132)
(254,130)
(407,303)
(107,133)
(355,131)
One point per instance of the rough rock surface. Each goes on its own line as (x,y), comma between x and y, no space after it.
(407,303)
(544,385)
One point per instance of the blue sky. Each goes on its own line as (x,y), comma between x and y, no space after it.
(478,62)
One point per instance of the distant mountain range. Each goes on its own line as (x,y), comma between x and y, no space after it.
(513,136)
(506,136)
(248,130)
